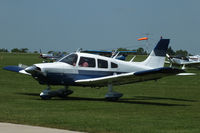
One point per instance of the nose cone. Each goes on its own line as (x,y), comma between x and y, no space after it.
(32,69)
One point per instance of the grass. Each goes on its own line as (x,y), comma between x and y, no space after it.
(169,105)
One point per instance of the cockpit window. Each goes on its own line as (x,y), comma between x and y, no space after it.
(70,59)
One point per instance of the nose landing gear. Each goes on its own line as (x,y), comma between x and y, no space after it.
(48,93)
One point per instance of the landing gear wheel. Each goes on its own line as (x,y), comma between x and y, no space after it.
(45,97)
(45,94)
(63,93)
(48,94)
(112,99)
(112,96)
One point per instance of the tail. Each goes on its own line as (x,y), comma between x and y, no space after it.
(40,53)
(156,58)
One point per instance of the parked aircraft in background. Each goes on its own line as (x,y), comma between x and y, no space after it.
(194,57)
(50,57)
(193,61)
(84,69)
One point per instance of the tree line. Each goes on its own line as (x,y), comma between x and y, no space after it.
(15,50)
(170,51)
(139,51)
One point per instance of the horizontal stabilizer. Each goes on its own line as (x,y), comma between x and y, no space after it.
(186,74)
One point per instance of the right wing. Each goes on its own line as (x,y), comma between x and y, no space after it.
(191,63)
(132,77)
(19,69)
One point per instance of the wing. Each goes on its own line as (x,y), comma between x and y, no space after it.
(16,69)
(191,63)
(132,77)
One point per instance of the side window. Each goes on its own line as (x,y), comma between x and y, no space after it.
(102,63)
(86,62)
(113,65)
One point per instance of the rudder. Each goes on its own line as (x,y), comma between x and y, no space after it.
(156,58)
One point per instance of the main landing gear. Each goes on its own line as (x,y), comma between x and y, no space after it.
(63,93)
(111,95)
(48,93)
(183,67)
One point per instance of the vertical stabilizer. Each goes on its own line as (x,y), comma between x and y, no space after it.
(156,58)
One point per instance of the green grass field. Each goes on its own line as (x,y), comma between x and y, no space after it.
(169,105)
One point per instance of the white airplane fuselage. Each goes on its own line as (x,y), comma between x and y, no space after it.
(61,73)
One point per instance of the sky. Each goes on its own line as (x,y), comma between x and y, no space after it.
(66,25)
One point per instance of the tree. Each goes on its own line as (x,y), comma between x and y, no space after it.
(122,49)
(35,52)
(15,50)
(170,51)
(181,52)
(140,51)
(49,52)
(22,50)
(3,50)
(65,53)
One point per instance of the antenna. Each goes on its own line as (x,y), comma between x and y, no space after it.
(79,50)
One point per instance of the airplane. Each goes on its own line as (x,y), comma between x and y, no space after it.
(194,57)
(50,57)
(90,70)
(193,61)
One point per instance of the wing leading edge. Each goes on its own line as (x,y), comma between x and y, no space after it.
(132,77)
(16,69)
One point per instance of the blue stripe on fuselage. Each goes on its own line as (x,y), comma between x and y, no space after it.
(69,78)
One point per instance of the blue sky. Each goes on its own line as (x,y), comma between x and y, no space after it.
(66,25)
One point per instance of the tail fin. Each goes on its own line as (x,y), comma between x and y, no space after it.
(40,53)
(156,58)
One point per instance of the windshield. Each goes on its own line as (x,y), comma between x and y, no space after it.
(70,59)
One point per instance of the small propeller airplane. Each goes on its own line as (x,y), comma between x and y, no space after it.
(193,61)
(50,57)
(195,57)
(84,69)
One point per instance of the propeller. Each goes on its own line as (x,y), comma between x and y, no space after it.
(37,74)
(34,71)
(169,59)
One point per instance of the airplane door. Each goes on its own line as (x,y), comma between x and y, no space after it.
(69,73)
